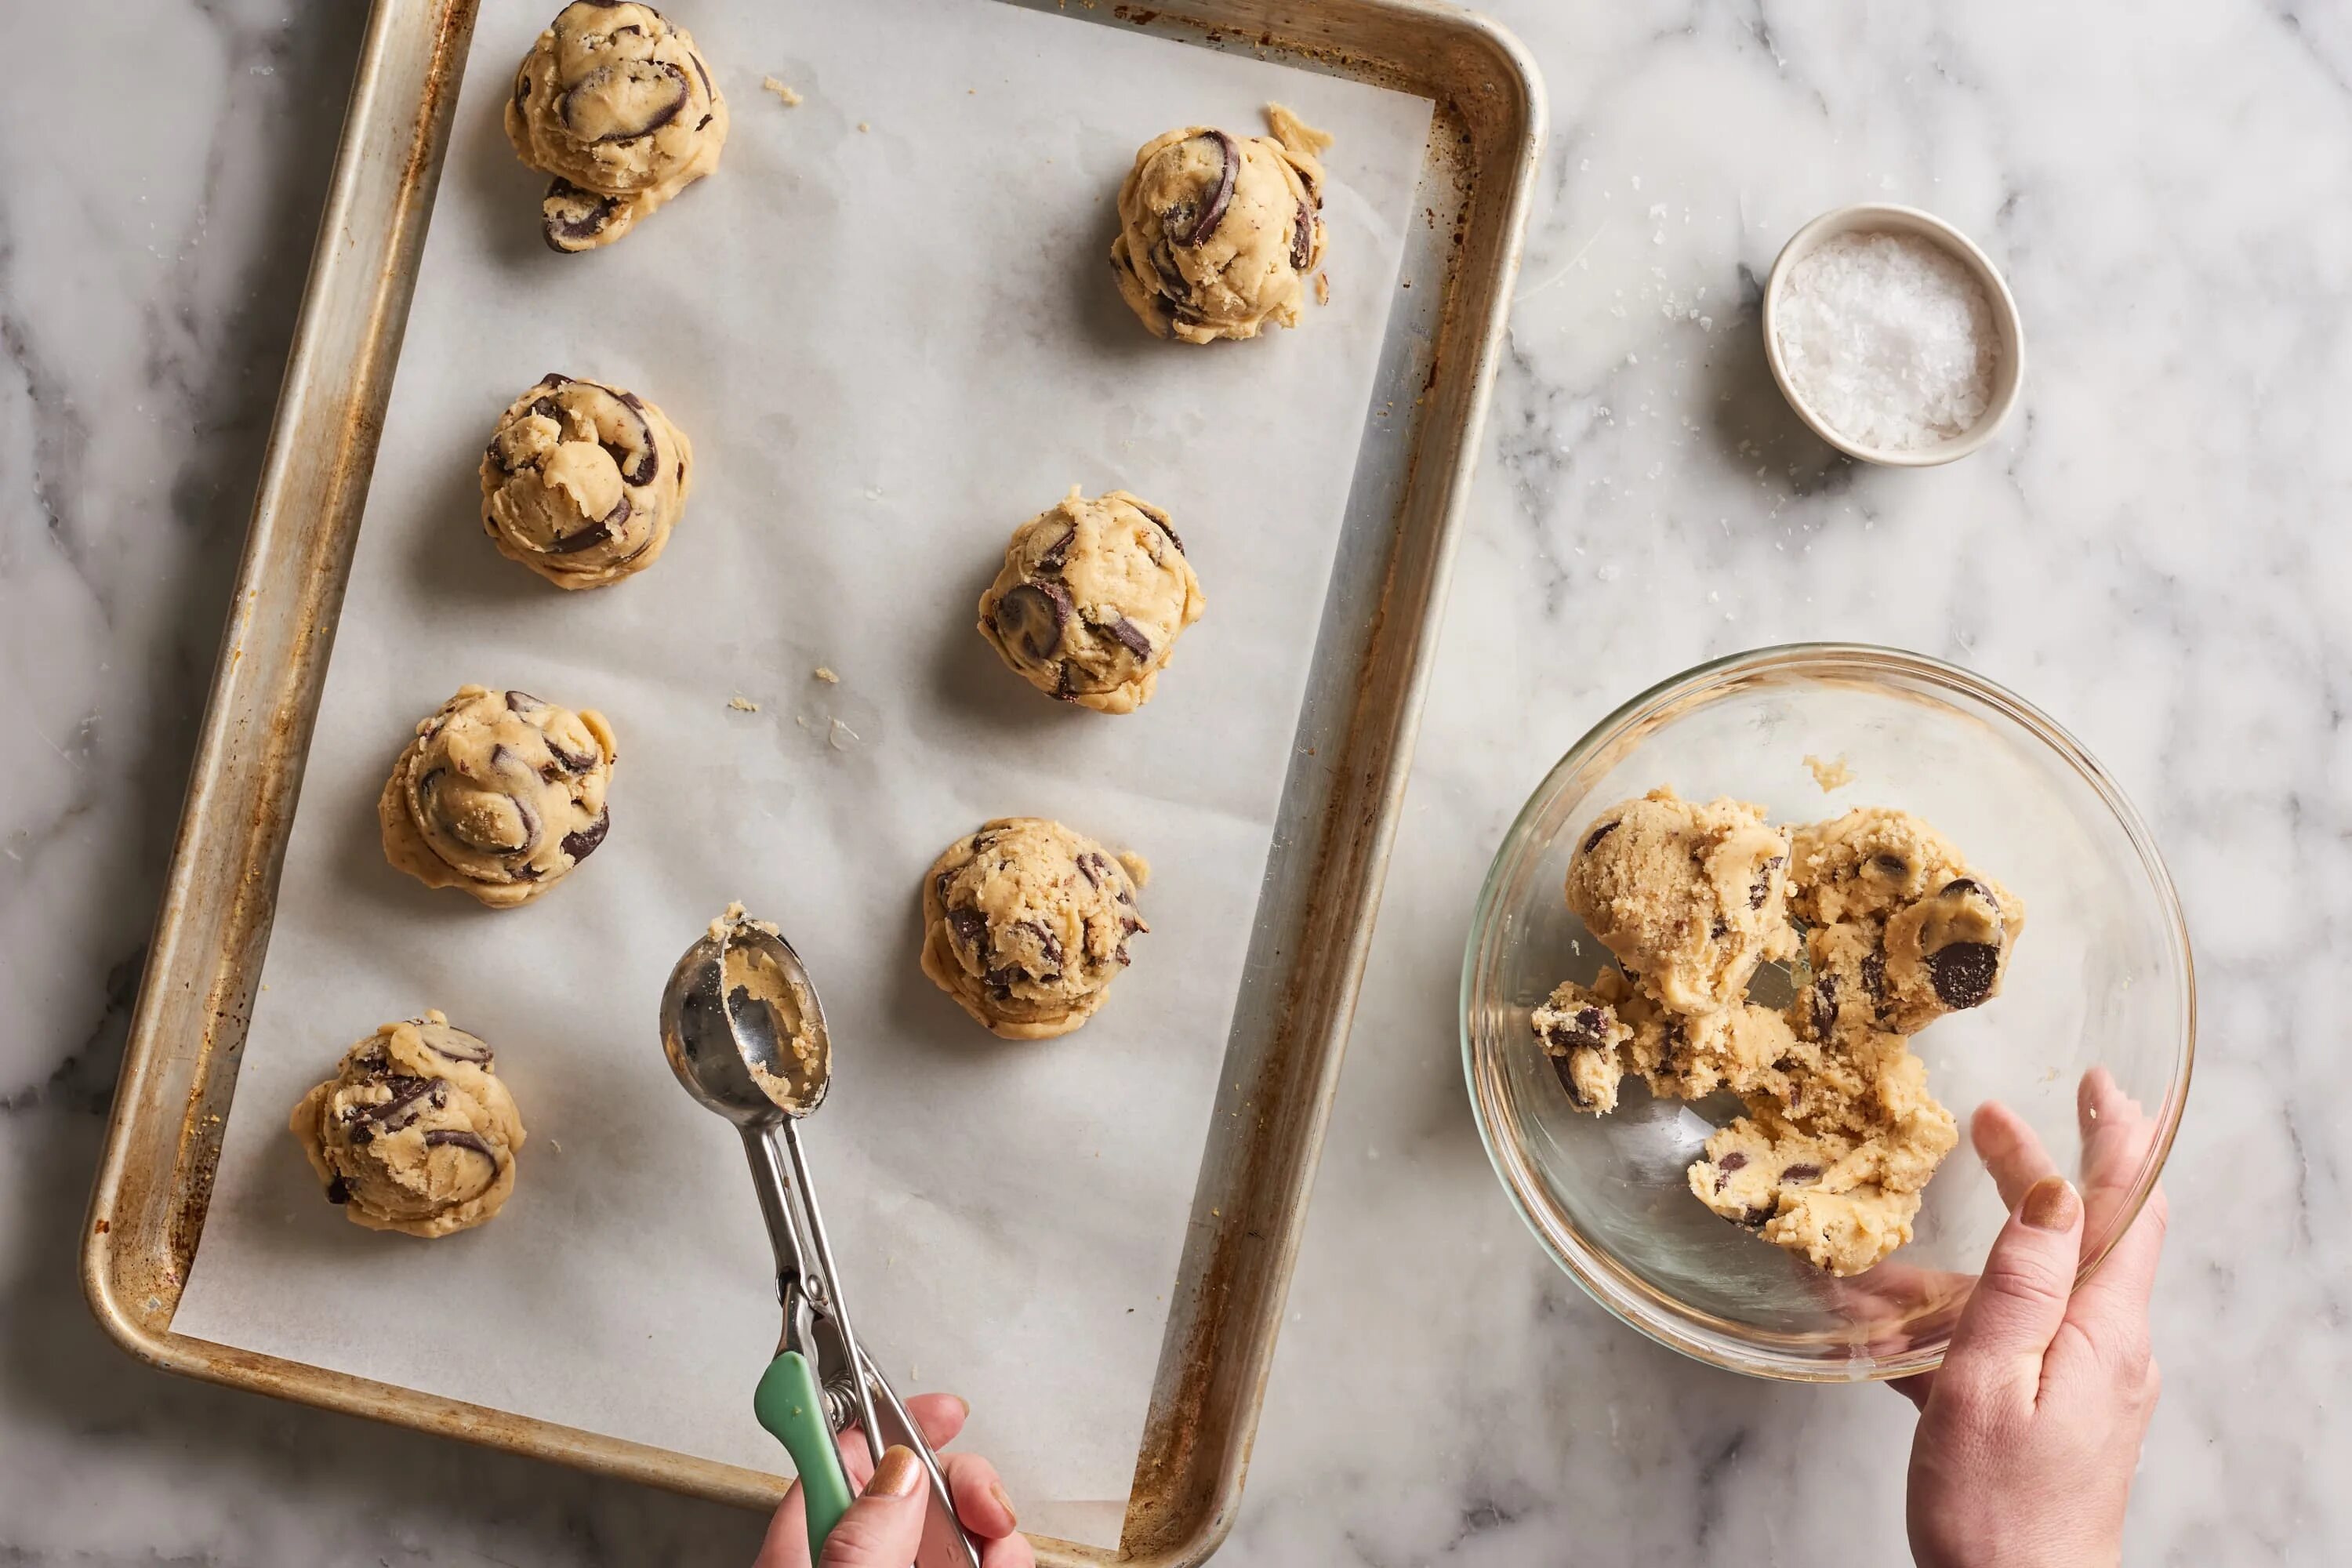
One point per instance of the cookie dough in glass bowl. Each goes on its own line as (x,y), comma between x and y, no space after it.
(2101,980)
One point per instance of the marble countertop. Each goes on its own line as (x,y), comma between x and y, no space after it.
(2148,551)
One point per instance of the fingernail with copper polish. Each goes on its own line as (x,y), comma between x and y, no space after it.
(2051,1204)
(996,1491)
(896,1476)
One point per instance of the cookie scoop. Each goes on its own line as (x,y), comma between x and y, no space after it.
(1091,599)
(583,482)
(618,106)
(500,793)
(415,1133)
(1218,234)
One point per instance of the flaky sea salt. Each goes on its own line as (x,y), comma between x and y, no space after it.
(1889,339)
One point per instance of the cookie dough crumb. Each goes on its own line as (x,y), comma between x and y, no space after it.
(1322,288)
(790,98)
(1830,776)
(826,674)
(1138,869)
(863,126)
(742,705)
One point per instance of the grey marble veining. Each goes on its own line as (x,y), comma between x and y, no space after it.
(2152,552)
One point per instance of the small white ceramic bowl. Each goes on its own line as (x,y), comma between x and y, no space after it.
(1882,218)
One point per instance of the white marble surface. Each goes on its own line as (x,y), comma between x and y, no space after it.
(2149,552)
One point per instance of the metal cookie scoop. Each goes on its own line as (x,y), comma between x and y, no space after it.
(743,1030)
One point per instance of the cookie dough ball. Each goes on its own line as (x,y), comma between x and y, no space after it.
(583,482)
(1690,898)
(1902,932)
(1025,924)
(500,793)
(1949,951)
(1218,234)
(1091,600)
(614,102)
(1580,1032)
(1866,865)
(1841,1185)
(414,1133)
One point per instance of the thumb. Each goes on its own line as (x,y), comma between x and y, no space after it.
(884,1526)
(2020,1299)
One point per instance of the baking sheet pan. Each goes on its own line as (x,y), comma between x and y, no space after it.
(1321,873)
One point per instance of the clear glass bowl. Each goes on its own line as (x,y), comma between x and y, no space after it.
(2101,975)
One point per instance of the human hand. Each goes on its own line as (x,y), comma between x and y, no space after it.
(2030,1430)
(884,1527)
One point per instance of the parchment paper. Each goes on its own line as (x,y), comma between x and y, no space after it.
(888,326)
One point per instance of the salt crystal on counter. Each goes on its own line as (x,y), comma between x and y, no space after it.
(1889,339)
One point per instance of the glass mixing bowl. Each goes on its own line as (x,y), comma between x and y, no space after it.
(2100,976)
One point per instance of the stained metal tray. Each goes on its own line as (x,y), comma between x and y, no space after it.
(1339,806)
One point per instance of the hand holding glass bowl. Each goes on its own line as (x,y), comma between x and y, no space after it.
(2101,979)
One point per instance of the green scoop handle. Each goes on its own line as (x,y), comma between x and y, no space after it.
(791,1406)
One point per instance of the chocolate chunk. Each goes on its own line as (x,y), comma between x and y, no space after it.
(1093,867)
(1166,527)
(1964,972)
(522,703)
(606,530)
(1891,866)
(1963,886)
(456,1138)
(1873,973)
(1587,1028)
(1032,615)
(581,842)
(1189,223)
(463,1047)
(339,1191)
(1048,944)
(1174,286)
(1302,238)
(406,1092)
(573,761)
(1763,888)
(704,72)
(1719,929)
(362,1136)
(1756,1218)
(1129,635)
(1823,1001)
(1559,1064)
(1801,1173)
(970,929)
(1599,832)
(571,219)
(1735,1161)
(528,820)
(1057,554)
(624,100)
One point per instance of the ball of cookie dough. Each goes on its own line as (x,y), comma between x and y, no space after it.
(1218,234)
(616,102)
(414,1133)
(1091,600)
(1866,865)
(1690,898)
(1025,924)
(1839,1184)
(1949,950)
(583,482)
(500,793)
(1597,1035)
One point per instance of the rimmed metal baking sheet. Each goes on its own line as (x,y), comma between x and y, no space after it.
(1353,746)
